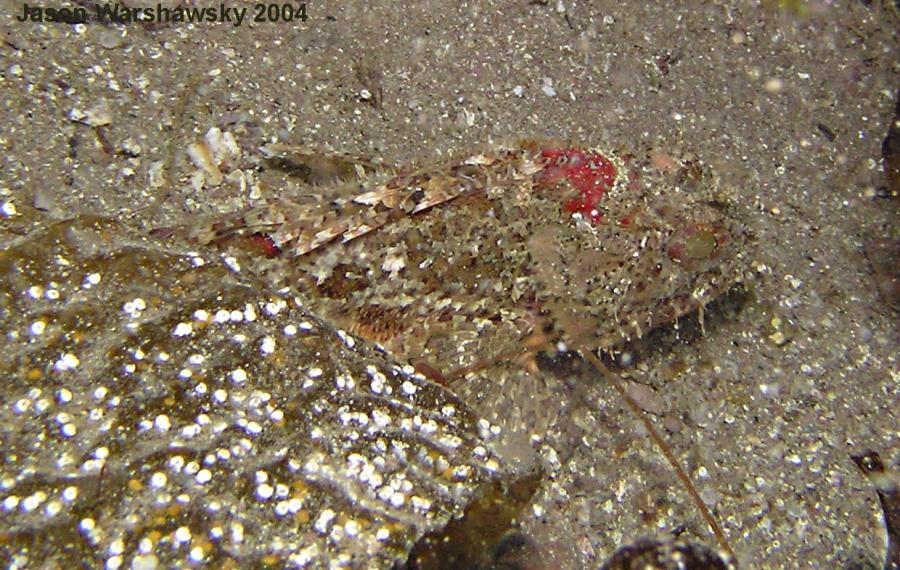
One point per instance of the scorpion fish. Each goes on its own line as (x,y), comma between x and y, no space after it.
(489,258)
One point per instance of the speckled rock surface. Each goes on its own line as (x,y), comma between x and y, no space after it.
(791,109)
(159,410)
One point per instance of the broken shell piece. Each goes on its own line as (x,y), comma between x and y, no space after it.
(202,158)
(98,115)
(216,151)
(157,175)
(223,146)
(131,147)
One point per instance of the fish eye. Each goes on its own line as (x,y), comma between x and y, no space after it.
(695,243)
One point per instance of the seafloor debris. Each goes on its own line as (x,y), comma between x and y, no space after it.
(482,538)
(887,485)
(653,555)
(210,155)
(160,410)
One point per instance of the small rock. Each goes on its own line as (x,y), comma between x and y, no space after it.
(44,201)
(131,147)
(110,38)
(547,88)
(98,115)
(157,175)
(465,119)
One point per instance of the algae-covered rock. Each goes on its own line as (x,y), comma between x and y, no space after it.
(161,409)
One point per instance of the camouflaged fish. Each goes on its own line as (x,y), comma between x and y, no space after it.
(477,259)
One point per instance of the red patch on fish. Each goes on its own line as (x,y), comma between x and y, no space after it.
(591,174)
(264,244)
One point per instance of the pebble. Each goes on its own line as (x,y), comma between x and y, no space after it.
(110,38)
(547,87)
(98,115)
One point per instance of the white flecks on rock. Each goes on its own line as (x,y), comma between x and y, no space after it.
(183,329)
(239,375)
(67,361)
